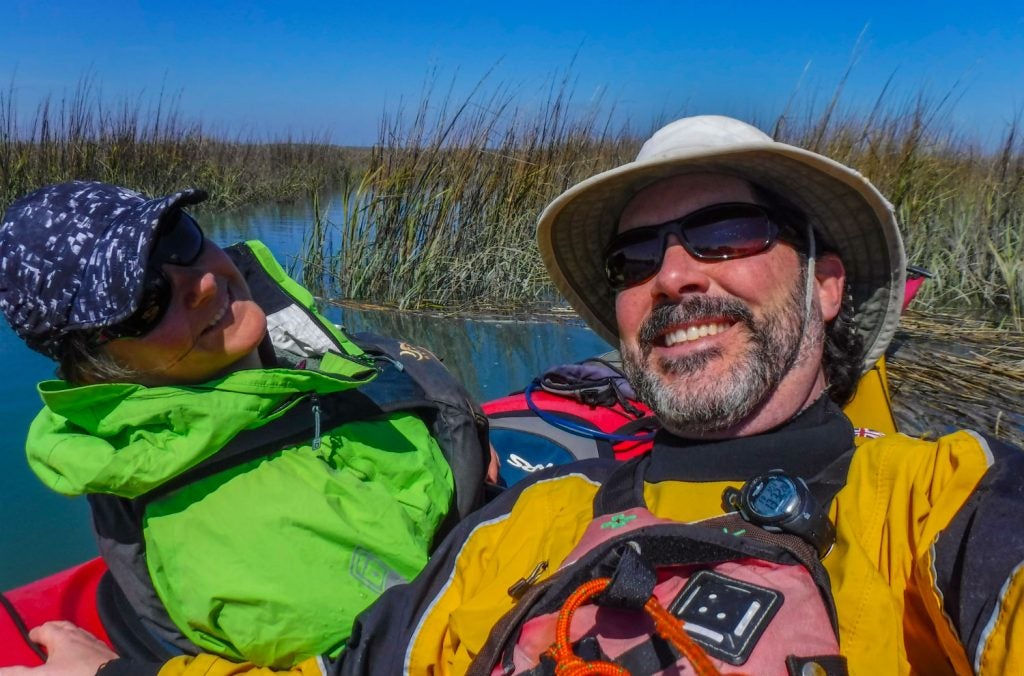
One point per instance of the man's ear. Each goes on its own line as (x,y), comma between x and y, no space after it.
(830,276)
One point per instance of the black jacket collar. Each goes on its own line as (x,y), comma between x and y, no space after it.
(804,447)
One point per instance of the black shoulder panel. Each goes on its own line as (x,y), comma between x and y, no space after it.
(976,554)
(271,297)
(455,420)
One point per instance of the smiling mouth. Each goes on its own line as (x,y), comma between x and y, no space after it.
(694,332)
(219,317)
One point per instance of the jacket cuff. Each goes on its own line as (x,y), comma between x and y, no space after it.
(126,667)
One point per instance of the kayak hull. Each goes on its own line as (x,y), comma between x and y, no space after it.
(67,595)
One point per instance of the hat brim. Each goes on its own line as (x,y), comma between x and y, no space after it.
(851,216)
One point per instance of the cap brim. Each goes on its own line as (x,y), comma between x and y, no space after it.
(845,209)
(117,264)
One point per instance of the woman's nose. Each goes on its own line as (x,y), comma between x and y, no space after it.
(196,285)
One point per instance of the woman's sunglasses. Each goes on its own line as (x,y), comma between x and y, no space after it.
(180,243)
(717,232)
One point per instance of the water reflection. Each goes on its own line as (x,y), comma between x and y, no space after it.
(280,226)
(492,357)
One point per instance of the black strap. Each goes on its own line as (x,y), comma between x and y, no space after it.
(127,667)
(392,390)
(624,489)
(640,426)
(631,584)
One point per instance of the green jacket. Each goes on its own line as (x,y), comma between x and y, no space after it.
(272,559)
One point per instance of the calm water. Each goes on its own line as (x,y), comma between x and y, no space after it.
(42,532)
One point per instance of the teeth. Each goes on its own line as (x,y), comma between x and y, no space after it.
(694,333)
(220,315)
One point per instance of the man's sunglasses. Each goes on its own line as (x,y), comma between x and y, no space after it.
(180,243)
(717,232)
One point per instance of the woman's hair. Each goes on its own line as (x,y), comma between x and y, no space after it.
(844,345)
(84,361)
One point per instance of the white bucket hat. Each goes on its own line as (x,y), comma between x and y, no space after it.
(848,214)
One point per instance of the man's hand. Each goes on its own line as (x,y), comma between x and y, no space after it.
(72,652)
(492,469)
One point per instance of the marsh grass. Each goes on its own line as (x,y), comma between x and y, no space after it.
(960,206)
(445,215)
(152,147)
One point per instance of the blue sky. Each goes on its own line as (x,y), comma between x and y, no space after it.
(273,68)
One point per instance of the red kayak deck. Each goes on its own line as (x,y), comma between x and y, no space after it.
(67,595)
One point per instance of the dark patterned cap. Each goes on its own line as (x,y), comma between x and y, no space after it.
(73,256)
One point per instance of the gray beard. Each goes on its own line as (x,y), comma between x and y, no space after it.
(693,409)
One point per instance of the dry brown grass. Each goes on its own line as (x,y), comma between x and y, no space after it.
(152,147)
(947,371)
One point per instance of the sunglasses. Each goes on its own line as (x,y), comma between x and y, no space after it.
(718,232)
(181,243)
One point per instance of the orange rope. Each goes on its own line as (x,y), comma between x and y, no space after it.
(567,663)
(670,628)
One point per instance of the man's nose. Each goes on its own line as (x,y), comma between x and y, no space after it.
(680,273)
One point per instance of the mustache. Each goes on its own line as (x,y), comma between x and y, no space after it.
(689,310)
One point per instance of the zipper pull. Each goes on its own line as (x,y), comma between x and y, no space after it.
(523,584)
(391,360)
(314,401)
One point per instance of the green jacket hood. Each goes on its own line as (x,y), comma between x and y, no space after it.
(126,439)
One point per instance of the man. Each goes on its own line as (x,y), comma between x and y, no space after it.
(749,283)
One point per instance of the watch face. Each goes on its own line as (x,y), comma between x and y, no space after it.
(772,496)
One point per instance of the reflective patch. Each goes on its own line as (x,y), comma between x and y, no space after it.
(725,616)
(373,573)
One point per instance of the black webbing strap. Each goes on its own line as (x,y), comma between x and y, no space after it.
(390,391)
(624,489)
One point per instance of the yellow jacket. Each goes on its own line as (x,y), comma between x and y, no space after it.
(926,570)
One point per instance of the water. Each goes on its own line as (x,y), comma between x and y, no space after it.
(43,532)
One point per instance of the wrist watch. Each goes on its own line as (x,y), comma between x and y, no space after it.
(780,503)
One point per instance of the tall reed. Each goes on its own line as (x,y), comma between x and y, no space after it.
(153,148)
(445,214)
(960,206)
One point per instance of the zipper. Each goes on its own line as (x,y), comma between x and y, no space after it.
(286,404)
(361,359)
(314,401)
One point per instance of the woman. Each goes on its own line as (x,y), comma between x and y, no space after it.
(254,481)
